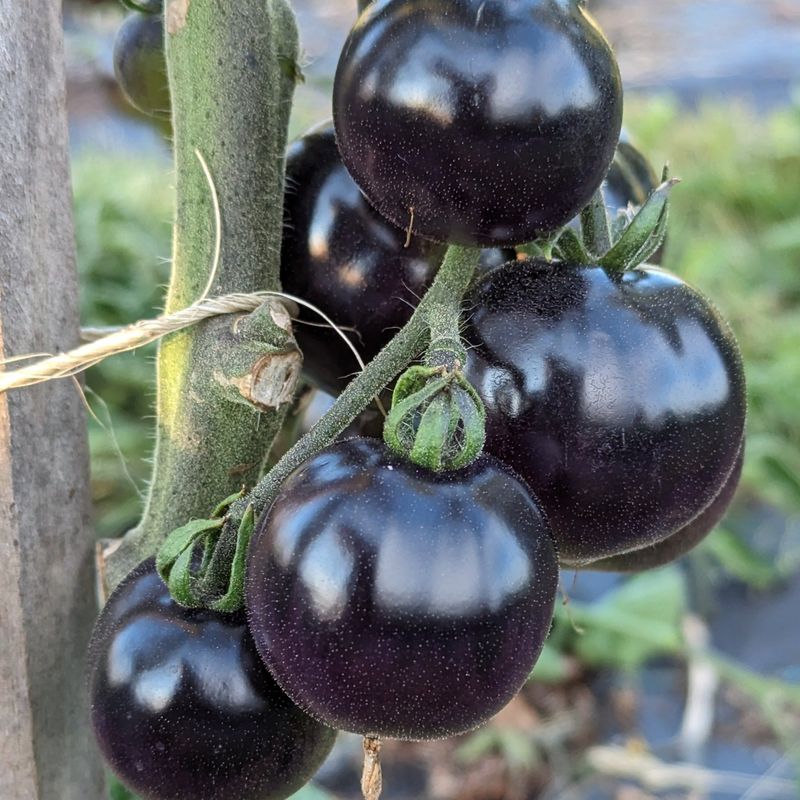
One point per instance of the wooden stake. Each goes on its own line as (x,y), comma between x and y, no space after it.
(46,600)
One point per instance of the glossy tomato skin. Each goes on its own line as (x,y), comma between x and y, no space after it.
(619,398)
(183,708)
(140,64)
(340,255)
(494,121)
(681,542)
(394,601)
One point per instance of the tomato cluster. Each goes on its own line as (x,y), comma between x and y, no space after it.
(384,597)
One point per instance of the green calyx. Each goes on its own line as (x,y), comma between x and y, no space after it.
(622,243)
(437,418)
(188,561)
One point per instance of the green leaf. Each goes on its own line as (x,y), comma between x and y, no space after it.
(399,430)
(473,417)
(782,474)
(638,621)
(551,667)
(645,233)
(180,579)
(518,750)
(117,790)
(432,434)
(179,540)
(233,599)
(570,247)
(740,560)
(595,227)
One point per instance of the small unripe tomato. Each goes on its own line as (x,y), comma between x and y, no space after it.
(140,64)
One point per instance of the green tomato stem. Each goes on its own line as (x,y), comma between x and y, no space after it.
(231,79)
(442,301)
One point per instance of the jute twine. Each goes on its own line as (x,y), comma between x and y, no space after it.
(144,332)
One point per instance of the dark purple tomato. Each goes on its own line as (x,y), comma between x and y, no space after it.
(340,255)
(183,708)
(140,65)
(684,540)
(482,122)
(619,398)
(390,600)
(343,257)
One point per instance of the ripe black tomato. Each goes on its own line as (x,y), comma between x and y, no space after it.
(494,121)
(183,708)
(340,255)
(390,600)
(140,64)
(684,540)
(619,398)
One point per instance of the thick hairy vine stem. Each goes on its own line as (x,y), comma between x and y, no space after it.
(444,296)
(232,69)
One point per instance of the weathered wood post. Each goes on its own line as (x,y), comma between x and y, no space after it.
(46,600)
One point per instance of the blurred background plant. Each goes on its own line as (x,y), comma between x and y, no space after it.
(682,682)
